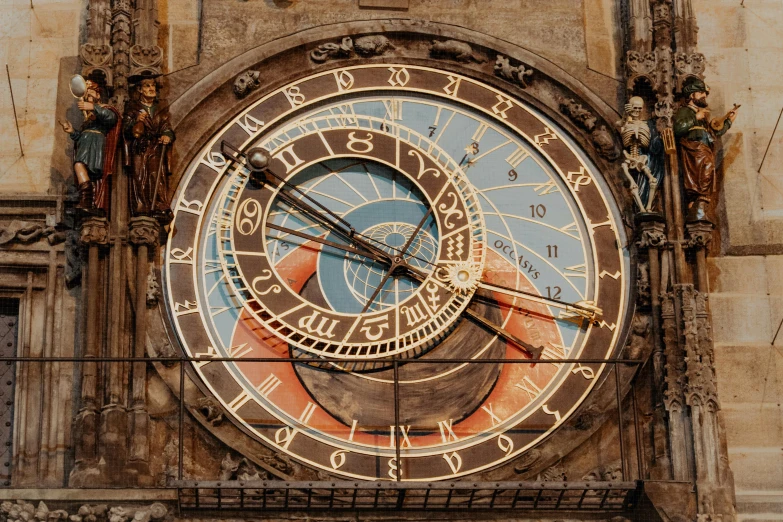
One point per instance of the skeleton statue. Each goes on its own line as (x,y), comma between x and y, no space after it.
(637,138)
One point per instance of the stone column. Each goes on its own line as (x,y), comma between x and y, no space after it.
(699,239)
(120,44)
(652,237)
(93,235)
(143,233)
(674,391)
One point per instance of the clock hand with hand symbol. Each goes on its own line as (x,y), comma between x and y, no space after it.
(345,236)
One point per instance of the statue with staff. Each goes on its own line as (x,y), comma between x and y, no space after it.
(95,146)
(148,138)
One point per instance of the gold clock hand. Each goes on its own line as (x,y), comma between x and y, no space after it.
(586,309)
(348,235)
(258,159)
(532,351)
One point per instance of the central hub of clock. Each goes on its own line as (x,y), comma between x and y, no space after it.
(386,216)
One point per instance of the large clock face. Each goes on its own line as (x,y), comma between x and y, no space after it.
(414,227)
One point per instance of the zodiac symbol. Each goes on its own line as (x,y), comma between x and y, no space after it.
(267,275)
(374,336)
(434,298)
(454,247)
(352,140)
(422,170)
(450,211)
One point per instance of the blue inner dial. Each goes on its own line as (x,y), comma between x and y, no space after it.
(385,208)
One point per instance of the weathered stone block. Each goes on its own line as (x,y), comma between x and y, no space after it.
(747,375)
(774,266)
(184,45)
(737,274)
(758,469)
(740,319)
(45,54)
(753,425)
(57,21)
(15,20)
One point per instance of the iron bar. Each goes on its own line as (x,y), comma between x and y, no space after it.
(768,144)
(320,360)
(639,454)
(581,499)
(400,496)
(620,421)
(181,427)
(398,460)
(603,500)
(13,104)
(560,498)
(776,333)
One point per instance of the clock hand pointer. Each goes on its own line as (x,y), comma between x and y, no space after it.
(257,160)
(376,252)
(586,309)
(532,351)
(326,242)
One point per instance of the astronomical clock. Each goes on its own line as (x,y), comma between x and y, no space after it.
(393,272)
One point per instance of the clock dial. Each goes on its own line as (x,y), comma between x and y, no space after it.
(412,225)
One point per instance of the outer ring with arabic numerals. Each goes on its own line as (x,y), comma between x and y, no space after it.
(237,288)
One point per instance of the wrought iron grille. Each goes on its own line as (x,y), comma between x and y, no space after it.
(240,496)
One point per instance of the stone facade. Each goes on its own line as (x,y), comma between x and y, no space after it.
(585,40)
(743,62)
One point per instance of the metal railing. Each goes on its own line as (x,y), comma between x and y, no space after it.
(556,496)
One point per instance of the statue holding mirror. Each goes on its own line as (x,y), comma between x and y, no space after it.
(95,145)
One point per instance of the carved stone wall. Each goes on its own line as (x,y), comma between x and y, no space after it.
(39,269)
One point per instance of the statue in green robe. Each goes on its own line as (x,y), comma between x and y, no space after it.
(696,134)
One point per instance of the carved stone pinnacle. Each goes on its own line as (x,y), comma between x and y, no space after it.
(700,234)
(652,234)
(144,230)
(94,231)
